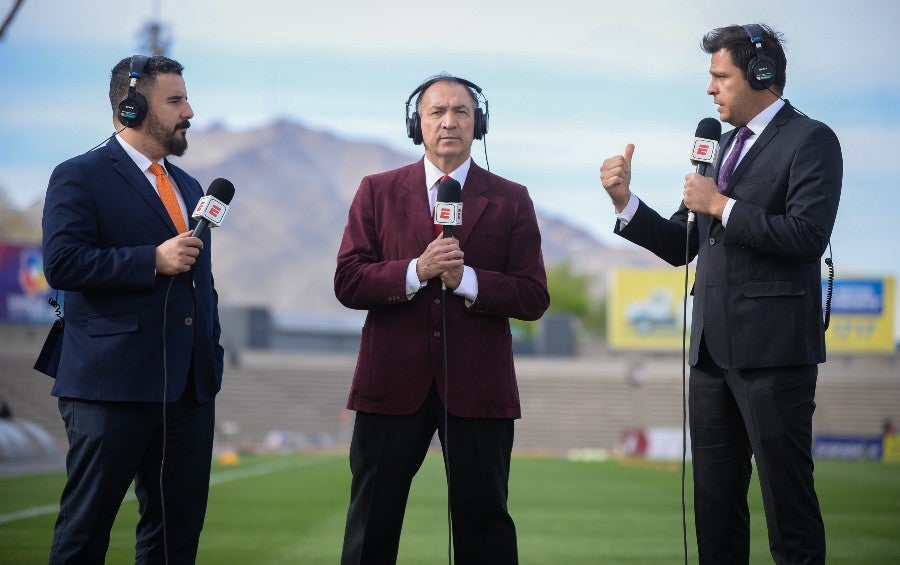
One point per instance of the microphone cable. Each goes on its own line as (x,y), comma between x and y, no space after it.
(162,461)
(687,255)
(447,425)
(830,262)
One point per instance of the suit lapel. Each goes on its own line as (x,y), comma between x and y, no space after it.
(414,199)
(137,182)
(767,135)
(474,200)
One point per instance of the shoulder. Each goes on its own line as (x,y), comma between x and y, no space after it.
(802,125)
(399,173)
(493,182)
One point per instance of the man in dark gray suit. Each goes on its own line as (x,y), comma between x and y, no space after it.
(141,362)
(757,333)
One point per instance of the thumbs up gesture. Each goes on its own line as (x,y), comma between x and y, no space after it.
(615,175)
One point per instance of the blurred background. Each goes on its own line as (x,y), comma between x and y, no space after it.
(295,102)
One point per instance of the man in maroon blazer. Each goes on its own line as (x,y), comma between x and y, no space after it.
(425,296)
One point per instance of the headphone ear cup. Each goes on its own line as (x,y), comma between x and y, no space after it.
(415,128)
(481,123)
(132,110)
(761,72)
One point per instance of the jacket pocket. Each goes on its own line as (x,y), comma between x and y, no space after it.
(111,325)
(753,289)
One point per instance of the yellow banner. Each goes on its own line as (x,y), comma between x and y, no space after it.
(862,316)
(646,309)
(890,453)
(646,312)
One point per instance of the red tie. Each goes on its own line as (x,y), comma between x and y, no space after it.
(438,228)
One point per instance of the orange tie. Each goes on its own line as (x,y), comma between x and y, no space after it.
(167,194)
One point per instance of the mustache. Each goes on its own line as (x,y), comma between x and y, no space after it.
(183,125)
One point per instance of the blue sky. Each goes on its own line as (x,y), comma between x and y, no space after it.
(569,83)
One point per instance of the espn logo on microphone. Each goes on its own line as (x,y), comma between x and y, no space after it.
(705,150)
(211,209)
(448,213)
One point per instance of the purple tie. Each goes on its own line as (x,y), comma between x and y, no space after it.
(728,166)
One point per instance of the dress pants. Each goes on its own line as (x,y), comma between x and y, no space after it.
(113,443)
(385,454)
(767,414)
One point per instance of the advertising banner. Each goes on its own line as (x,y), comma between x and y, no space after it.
(646,309)
(862,316)
(23,289)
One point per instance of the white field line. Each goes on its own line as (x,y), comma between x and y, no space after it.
(222,477)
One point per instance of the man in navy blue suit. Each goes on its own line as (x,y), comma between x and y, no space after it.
(141,361)
(757,333)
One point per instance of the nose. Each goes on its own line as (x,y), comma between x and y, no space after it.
(711,89)
(188,111)
(448,121)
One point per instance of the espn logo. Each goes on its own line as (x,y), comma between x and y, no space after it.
(448,213)
(211,209)
(705,150)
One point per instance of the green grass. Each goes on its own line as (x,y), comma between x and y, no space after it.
(291,509)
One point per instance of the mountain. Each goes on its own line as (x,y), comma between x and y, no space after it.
(293,187)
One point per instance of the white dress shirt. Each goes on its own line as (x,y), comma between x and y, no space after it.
(468,285)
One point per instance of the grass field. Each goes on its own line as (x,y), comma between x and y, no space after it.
(290,509)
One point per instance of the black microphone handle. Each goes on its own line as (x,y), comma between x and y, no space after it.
(202,224)
(448,231)
(701,170)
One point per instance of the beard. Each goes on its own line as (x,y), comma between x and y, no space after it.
(173,141)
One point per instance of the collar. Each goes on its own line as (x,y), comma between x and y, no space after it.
(433,174)
(139,158)
(761,120)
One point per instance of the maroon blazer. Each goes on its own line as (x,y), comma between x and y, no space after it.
(402,347)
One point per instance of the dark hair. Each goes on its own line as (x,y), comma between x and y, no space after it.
(119,77)
(443,77)
(736,41)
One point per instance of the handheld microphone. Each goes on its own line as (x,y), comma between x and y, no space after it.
(448,207)
(706,148)
(211,209)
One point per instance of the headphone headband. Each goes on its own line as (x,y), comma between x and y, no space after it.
(133,109)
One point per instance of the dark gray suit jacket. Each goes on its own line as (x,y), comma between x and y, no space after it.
(757,293)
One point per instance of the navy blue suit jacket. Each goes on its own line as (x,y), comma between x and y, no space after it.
(102,223)
(757,293)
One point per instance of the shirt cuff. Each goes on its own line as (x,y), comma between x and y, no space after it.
(468,285)
(628,211)
(727,211)
(413,284)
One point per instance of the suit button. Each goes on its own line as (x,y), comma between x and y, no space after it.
(712,241)
(436,334)
(437,300)
(188,321)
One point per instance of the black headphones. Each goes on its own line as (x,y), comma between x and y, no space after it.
(414,121)
(133,109)
(761,69)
